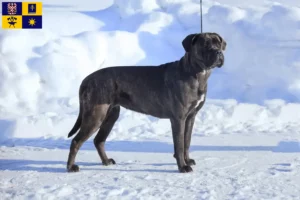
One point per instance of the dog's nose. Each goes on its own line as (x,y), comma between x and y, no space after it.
(219,52)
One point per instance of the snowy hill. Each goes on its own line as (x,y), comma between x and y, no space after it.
(245,139)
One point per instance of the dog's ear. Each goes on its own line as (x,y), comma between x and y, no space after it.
(189,41)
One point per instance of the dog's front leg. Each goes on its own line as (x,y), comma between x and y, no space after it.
(189,123)
(178,126)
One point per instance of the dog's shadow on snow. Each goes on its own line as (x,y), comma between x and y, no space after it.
(148,146)
(52,166)
(37,165)
(121,146)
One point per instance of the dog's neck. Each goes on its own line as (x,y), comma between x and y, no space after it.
(189,65)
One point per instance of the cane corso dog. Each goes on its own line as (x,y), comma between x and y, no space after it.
(175,90)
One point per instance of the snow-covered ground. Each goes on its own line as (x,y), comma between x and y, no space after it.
(228,167)
(246,137)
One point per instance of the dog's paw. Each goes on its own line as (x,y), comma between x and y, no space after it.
(185,169)
(73,168)
(190,162)
(109,161)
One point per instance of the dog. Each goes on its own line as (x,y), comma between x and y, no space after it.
(175,91)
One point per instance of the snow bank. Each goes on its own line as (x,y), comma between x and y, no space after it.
(55,69)
(216,117)
(40,70)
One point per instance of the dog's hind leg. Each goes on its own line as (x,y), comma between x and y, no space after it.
(103,133)
(91,121)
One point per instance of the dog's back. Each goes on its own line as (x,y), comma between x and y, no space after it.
(139,88)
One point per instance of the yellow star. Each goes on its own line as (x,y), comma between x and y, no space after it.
(31,22)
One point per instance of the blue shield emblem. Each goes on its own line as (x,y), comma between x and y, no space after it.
(32,8)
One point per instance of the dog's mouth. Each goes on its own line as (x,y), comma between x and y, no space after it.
(219,63)
(211,67)
(212,60)
(219,60)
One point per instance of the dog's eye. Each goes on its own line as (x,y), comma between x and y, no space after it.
(208,43)
(215,41)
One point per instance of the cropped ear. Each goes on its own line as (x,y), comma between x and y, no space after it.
(188,42)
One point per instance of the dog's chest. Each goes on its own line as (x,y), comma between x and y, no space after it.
(201,88)
(202,78)
(202,98)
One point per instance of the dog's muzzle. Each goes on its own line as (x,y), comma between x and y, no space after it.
(219,53)
(220,58)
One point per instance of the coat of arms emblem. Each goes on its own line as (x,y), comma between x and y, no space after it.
(12,8)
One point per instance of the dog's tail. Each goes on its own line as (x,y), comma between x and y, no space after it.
(77,123)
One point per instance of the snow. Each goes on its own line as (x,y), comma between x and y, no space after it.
(245,140)
(228,167)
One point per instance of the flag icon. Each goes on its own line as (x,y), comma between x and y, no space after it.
(22,15)
(32,8)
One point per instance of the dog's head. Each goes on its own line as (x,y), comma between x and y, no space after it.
(205,50)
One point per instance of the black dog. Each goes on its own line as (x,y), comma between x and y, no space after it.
(175,90)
